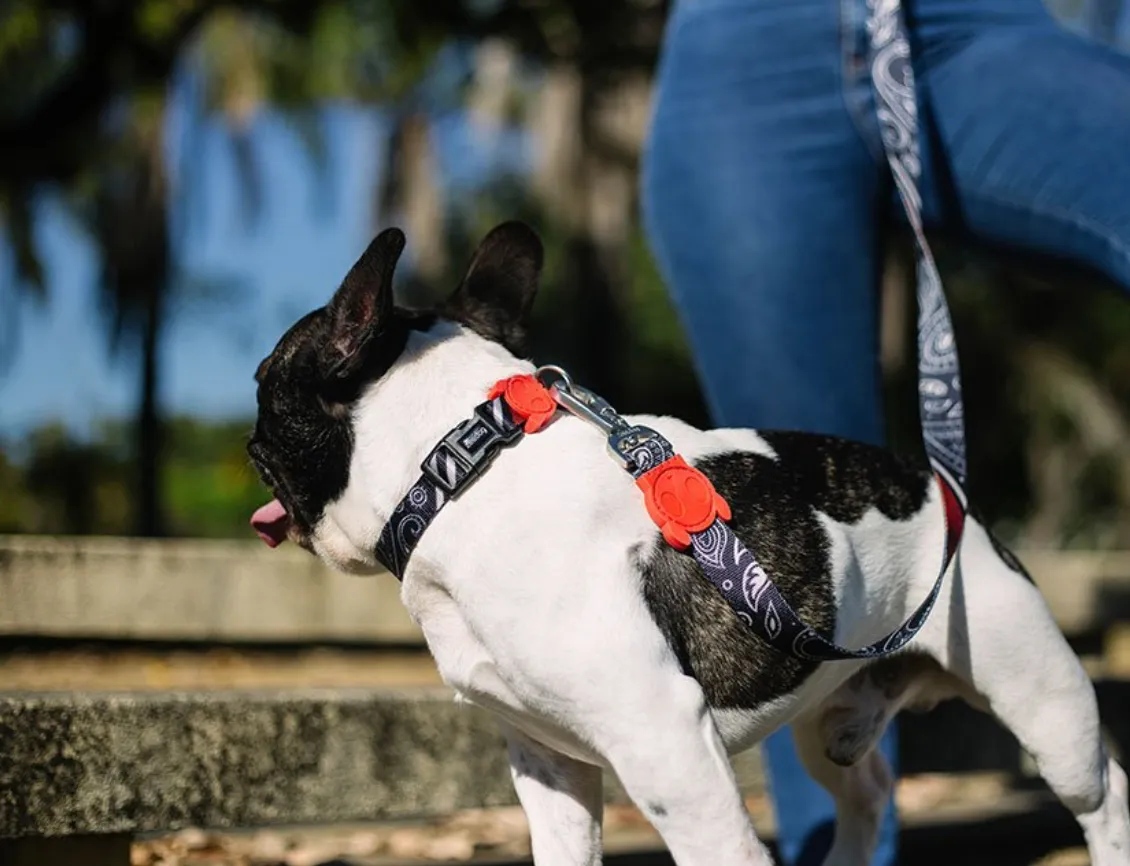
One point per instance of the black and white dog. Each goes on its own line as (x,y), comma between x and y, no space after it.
(547,595)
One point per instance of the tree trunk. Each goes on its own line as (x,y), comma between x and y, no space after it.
(410,195)
(589,134)
(150,426)
(134,232)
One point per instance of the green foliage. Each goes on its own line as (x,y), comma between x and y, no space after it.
(64,486)
(15,502)
(211,487)
(67,486)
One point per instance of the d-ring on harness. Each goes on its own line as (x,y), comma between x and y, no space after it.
(681,499)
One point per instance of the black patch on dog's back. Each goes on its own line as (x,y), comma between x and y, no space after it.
(844,479)
(775,503)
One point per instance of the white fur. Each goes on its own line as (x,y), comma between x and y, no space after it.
(526,591)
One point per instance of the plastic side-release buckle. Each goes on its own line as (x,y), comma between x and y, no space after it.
(529,400)
(465,451)
(681,500)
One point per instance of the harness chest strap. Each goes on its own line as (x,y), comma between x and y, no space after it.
(680,499)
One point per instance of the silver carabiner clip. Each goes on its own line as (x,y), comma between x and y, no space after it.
(564,392)
(570,402)
(561,387)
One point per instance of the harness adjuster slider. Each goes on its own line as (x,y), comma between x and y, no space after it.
(467,450)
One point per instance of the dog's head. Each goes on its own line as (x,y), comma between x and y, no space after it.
(308,386)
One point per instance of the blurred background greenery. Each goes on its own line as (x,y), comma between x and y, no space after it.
(563,88)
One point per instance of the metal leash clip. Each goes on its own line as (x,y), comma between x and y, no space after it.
(583,404)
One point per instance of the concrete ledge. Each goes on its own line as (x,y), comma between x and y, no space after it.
(238,591)
(1086,590)
(121,588)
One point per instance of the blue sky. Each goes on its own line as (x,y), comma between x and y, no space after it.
(312,227)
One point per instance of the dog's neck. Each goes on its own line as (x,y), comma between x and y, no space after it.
(436,383)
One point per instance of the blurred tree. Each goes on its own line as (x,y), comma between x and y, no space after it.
(587,119)
(128,215)
(15,504)
(76,487)
(92,124)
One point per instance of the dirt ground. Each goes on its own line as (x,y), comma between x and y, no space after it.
(500,836)
(113,668)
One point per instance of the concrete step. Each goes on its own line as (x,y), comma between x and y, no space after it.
(143,762)
(115,765)
(153,761)
(191,590)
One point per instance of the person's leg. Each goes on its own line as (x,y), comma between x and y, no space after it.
(760,205)
(1034,129)
(1103,17)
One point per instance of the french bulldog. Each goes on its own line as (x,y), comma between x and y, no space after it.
(547,595)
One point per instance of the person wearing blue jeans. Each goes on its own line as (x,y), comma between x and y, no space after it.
(766,190)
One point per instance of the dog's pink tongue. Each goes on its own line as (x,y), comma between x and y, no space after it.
(271,522)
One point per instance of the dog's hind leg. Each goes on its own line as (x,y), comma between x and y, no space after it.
(562,799)
(1003,641)
(836,742)
(860,790)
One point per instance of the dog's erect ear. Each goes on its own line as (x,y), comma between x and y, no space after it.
(497,293)
(362,305)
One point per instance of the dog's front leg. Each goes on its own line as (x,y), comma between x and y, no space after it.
(662,743)
(563,801)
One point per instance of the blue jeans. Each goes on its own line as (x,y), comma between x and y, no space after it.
(765,190)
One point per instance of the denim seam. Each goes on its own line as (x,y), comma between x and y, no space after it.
(1055,214)
(848,79)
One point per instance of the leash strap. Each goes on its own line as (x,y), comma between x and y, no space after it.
(939,380)
(678,494)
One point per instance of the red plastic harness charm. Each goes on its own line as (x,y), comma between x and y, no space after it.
(681,500)
(529,401)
